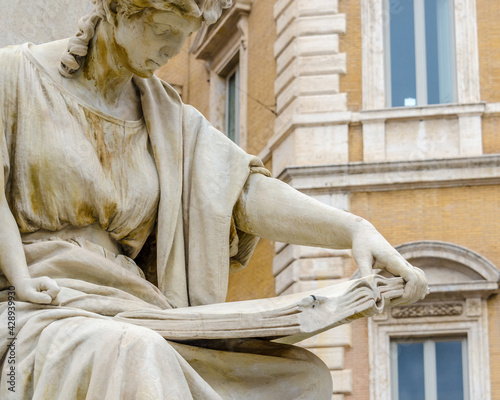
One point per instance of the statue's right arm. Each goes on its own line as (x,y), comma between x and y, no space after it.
(13,264)
(274,210)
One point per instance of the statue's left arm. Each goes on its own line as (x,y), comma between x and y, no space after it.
(274,210)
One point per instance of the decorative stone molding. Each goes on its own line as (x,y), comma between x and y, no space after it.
(467,51)
(397,175)
(473,307)
(492,109)
(418,113)
(428,310)
(453,269)
(423,132)
(454,273)
(210,39)
(377,118)
(372,44)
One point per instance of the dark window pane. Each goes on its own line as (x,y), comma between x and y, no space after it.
(449,370)
(411,371)
(232,107)
(402,38)
(439,52)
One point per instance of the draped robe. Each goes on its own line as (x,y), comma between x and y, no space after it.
(73,348)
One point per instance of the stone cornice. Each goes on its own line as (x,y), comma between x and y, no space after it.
(210,40)
(398,175)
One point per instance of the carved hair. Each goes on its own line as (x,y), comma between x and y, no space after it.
(74,58)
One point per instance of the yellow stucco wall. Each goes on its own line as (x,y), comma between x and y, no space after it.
(488,15)
(261,75)
(350,43)
(467,216)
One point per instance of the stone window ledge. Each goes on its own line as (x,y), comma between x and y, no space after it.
(424,112)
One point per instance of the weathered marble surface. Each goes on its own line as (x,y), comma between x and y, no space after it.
(39,21)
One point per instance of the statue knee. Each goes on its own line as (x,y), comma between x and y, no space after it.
(319,377)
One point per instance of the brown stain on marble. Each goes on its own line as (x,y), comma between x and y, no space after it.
(103,76)
(102,80)
(84,214)
(39,176)
(35,189)
(96,135)
(109,210)
(13,118)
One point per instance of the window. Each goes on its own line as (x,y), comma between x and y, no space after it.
(224,47)
(429,369)
(232,117)
(438,347)
(420,59)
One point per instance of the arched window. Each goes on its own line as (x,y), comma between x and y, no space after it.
(442,341)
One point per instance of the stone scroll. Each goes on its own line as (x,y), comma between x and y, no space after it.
(285,319)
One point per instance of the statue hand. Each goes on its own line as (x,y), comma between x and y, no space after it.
(370,249)
(42,290)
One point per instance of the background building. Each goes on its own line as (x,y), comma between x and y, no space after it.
(388,109)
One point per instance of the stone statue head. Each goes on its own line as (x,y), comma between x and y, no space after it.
(208,11)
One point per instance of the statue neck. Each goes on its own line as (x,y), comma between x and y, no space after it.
(103,70)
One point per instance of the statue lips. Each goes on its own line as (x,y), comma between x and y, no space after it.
(160,63)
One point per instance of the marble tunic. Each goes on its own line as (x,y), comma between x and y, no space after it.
(76,166)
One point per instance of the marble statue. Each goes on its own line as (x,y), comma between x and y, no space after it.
(104,166)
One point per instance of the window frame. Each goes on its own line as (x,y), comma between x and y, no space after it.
(456,306)
(429,363)
(381,333)
(374,17)
(222,46)
(420,53)
(237,106)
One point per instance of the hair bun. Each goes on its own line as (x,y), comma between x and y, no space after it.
(209,10)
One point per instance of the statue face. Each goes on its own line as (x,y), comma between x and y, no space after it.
(146,41)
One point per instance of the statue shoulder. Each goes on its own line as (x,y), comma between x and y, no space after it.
(48,55)
(11,55)
(11,61)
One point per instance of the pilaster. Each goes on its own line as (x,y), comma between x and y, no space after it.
(309,63)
